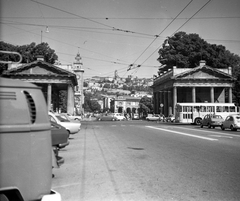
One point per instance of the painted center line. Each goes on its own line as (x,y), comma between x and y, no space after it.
(222,136)
(181,133)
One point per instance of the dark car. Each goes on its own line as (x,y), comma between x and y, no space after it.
(59,140)
(59,135)
(107,117)
(212,120)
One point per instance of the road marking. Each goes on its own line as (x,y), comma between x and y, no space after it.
(208,131)
(222,136)
(186,134)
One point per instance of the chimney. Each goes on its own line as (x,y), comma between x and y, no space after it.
(230,70)
(202,63)
(40,58)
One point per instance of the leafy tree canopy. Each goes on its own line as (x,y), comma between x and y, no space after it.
(29,53)
(186,50)
(146,104)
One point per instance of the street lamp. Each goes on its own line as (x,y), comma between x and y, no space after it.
(47,31)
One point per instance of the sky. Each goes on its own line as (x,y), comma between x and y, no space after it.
(110,35)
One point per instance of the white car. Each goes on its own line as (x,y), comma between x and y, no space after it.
(119,116)
(71,127)
(74,117)
(66,116)
(153,117)
(231,122)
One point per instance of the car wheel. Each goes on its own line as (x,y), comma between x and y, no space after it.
(209,125)
(77,119)
(232,128)
(213,126)
(113,119)
(99,119)
(198,121)
(222,127)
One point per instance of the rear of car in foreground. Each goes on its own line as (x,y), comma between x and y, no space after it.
(25,143)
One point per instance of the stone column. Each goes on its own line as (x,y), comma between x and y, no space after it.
(158,103)
(194,94)
(49,96)
(70,100)
(165,103)
(161,101)
(174,98)
(223,94)
(230,95)
(170,107)
(212,94)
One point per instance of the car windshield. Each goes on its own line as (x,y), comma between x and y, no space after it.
(62,119)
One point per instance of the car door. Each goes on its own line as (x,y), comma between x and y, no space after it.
(227,122)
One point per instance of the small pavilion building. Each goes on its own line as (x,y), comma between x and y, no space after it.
(50,78)
(200,84)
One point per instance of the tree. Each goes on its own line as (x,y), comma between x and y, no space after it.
(29,53)
(146,105)
(186,50)
(90,104)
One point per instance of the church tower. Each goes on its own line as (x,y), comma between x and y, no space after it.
(79,96)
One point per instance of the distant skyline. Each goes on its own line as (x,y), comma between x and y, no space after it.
(113,34)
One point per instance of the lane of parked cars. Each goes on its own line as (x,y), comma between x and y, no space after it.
(231,122)
(62,126)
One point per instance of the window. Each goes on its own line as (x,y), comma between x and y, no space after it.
(232,109)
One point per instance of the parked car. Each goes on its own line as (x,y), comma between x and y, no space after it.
(135,116)
(211,120)
(74,117)
(155,117)
(232,122)
(120,116)
(107,117)
(60,135)
(170,118)
(71,127)
(66,116)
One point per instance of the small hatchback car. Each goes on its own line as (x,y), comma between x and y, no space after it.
(232,122)
(212,120)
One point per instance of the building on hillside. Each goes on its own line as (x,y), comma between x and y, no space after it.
(199,84)
(127,104)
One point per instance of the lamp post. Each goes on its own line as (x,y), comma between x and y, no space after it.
(45,31)
(41,36)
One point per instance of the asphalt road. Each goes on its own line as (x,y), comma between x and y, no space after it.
(139,160)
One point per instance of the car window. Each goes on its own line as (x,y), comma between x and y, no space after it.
(51,118)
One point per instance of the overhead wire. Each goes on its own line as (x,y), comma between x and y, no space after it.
(179,28)
(85,18)
(163,31)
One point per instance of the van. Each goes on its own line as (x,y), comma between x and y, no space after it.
(25,143)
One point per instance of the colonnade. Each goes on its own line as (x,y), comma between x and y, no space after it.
(165,100)
(70,98)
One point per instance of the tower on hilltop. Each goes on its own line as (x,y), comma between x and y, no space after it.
(78,70)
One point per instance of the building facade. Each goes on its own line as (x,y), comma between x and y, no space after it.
(50,78)
(199,84)
(79,96)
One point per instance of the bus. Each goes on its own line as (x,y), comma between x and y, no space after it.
(194,112)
